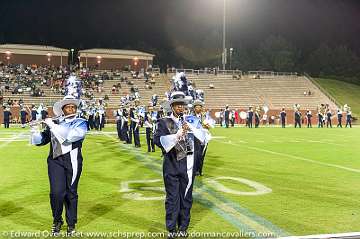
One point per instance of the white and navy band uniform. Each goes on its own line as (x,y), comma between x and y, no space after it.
(91,117)
(297,118)
(199,150)
(250,115)
(134,127)
(320,119)
(227,116)
(100,118)
(124,128)
(348,118)
(309,116)
(7,116)
(328,119)
(23,115)
(149,123)
(178,171)
(33,113)
(64,165)
(283,118)
(118,116)
(257,119)
(339,116)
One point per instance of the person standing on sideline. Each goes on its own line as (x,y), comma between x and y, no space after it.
(297,118)
(283,117)
(339,116)
(328,119)
(250,115)
(348,118)
(227,116)
(309,116)
(7,117)
(23,115)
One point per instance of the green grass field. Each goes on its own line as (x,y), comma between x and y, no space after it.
(343,92)
(308,183)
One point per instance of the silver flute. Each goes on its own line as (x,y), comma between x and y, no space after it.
(38,122)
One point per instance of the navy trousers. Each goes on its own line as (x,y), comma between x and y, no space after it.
(150,140)
(62,191)
(177,205)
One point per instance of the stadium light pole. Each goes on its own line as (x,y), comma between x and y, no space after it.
(231,53)
(224,36)
(72,56)
(49,58)
(8,56)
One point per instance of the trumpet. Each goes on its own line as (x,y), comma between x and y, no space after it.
(39,122)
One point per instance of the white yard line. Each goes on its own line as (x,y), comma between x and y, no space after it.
(12,139)
(294,157)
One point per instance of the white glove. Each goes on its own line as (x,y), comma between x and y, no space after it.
(49,122)
(180,133)
(34,129)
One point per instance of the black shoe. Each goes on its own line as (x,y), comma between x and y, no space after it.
(56,228)
(197,173)
(70,231)
(182,234)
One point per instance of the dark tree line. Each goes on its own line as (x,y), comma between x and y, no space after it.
(277,54)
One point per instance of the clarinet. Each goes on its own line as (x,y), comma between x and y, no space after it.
(186,137)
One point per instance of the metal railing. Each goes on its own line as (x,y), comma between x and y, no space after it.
(206,71)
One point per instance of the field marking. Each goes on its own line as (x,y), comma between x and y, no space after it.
(10,140)
(239,217)
(322,142)
(260,189)
(295,157)
(349,235)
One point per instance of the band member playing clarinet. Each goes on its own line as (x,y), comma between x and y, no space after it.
(65,136)
(176,140)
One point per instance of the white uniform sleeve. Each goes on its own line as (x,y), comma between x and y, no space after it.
(36,138)
(169,141)
(69,135)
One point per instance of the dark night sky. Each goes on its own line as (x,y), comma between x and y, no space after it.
(178,24)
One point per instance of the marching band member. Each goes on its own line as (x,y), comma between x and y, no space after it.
(283,117)
(33,112)
(176,140)
(348,117)
(328,118)
(91,116)
(7,117)
(257,117)
(134,127)
(149,127)
(23,114)
(339,116)
(250,115)
(200,147)
(320,118)
(297,115)
(309,116)
(125,126)
(64,160)
(118,117)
